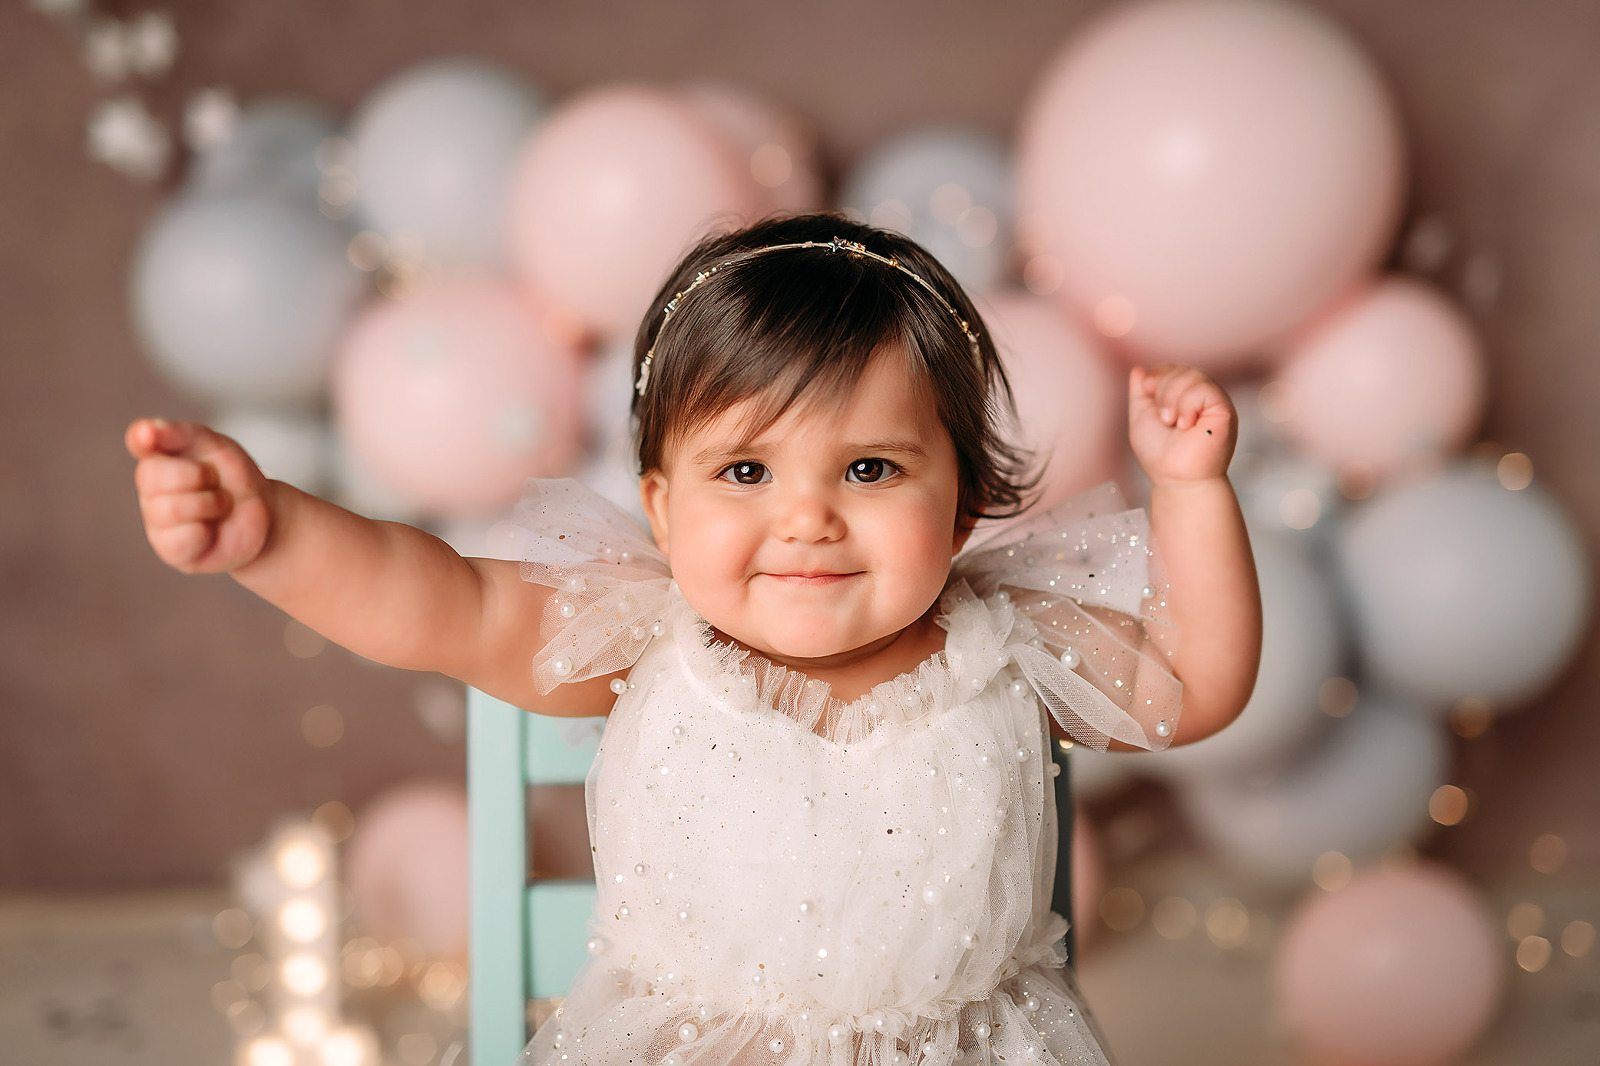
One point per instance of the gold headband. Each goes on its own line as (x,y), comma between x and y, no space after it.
(838,244)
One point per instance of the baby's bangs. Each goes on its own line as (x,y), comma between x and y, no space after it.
(778,332)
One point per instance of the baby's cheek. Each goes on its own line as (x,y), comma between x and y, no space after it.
(710,566)
(917,557)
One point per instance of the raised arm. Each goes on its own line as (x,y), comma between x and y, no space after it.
(384,590)
(1183,428)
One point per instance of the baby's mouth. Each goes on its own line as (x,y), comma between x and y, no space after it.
(807,578)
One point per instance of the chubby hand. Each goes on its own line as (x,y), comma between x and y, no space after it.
(206,505)
(1181,423)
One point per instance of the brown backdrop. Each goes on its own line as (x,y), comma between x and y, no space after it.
(150,723)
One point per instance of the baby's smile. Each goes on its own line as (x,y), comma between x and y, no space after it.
(811,578)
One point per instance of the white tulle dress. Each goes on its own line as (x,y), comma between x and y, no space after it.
(787,878)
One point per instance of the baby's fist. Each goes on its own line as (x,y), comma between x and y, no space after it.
(206,505)
(1181,424)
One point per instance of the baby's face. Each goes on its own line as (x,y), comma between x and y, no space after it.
(831,530)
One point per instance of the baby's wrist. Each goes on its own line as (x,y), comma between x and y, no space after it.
(273,497)
(1208,483)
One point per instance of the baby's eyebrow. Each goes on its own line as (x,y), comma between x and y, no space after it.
(888,447)
(721,455)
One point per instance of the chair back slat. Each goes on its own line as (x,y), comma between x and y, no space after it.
(498,834)
(558,916)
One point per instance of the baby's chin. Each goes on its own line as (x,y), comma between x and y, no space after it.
(800,646)
(805,636)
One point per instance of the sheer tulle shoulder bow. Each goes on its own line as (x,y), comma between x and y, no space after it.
(1092,633)
(611,582)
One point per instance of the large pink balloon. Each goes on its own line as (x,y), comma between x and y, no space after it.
(778,147)
(1205,173)
(1070,399)
(1398,968)
(1395,372)
(453,397)
(407,867)
(612,190)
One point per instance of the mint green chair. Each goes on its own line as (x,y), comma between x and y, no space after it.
(528,938)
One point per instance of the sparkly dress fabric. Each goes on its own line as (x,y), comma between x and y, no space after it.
(787,878)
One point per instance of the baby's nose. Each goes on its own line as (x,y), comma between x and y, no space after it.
(809,517)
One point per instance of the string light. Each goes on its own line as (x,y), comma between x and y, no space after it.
(290,885)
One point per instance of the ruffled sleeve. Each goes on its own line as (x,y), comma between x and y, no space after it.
(1093,634)
(611,583)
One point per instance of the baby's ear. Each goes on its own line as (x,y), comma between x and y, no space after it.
(653,497)
(964,527)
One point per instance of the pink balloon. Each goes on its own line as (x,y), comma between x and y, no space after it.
(611,191)
(406,867)
(454,396)
(1398,968)
(1199,175)
(1070,398)
(1395,372)
(780,148)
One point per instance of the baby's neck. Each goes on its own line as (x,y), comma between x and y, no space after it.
(851,674)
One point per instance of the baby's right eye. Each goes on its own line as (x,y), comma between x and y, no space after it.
(746,474)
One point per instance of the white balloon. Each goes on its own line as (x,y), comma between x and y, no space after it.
(287,445)
(1301,647)
(948,189)
(1463,588)
(434,149)
(1366,788)
(271,149)
(240,298)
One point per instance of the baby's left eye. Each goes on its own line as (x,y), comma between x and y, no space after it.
(867,471)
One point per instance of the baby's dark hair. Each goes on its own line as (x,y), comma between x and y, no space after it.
(801,325)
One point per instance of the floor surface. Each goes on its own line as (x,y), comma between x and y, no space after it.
(133,980)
